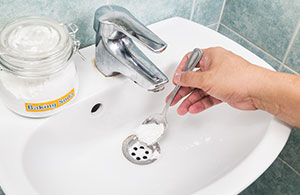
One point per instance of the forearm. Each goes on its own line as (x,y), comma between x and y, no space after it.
(279,94)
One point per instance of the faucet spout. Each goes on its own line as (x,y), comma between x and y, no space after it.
(116,52)
(121,20)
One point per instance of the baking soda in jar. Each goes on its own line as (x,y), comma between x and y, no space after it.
(38,75)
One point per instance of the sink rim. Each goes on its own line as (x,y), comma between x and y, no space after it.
(276,135)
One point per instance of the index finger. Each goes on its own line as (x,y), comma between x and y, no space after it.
(182,64)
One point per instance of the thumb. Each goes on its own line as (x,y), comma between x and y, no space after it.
(191,79)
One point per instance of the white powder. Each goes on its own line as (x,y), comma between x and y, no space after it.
(16,91)
(40,89)
(34,39)
(150,133)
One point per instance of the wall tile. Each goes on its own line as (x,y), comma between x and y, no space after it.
(82,13)
(279,179)
(237,38)
(213,26)
(291,151)
(76,11)
(269,24)
(151,11)
(287,70)
(293,60)
(207,12)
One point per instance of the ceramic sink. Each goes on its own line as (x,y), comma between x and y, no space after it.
(218,151)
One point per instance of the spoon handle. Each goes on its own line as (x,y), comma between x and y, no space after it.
(193,60)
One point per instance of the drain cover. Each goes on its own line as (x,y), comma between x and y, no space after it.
(138,152)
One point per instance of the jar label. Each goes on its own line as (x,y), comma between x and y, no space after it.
(45,106)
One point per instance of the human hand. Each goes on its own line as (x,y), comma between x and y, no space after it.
(223,77)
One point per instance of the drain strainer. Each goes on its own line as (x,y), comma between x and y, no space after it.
(138,152)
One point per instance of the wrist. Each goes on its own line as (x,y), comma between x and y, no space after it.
(279,95)
(261,88)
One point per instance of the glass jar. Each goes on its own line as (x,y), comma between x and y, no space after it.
(38,76)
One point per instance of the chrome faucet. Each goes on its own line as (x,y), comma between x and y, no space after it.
(116,52)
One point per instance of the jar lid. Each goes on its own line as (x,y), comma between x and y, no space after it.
(35,46)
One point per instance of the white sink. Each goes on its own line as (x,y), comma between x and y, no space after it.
(219,151)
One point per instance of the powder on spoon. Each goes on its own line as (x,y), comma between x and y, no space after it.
(149,133)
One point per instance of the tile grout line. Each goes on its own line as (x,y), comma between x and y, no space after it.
(192,11)
(221,15)
(252,44)
(290,69)
(291,43)
(287,164)
(281,66)
(209,25)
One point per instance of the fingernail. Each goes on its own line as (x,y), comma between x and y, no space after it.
(177,78)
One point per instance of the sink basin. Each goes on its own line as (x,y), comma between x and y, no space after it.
(218,151)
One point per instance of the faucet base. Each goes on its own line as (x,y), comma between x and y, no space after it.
(157,89)
(106,75)
(110,75)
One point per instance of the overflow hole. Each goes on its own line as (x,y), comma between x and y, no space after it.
(96,108)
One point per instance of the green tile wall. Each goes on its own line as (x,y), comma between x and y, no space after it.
(81,12)
(207,12)
(245,43)
(280,179)
(287,69)
(291,152)
(213,26)
(151,11)
(293,59)
(270,24)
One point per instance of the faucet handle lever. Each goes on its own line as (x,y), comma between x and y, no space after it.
(123,21)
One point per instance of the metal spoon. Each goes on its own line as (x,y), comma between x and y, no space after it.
(160,118)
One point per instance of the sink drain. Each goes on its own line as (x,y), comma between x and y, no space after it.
(138,152)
